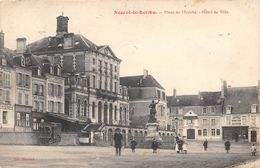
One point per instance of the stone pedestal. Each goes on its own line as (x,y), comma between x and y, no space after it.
(152,132)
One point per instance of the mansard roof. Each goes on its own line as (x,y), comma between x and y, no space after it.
(201,99)
(140,81)
(55,44)
(241,99)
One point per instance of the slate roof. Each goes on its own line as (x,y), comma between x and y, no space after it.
(55,44)
(241,99)
(202,99)
(8,54)
(140,81)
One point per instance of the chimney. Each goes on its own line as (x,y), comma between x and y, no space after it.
(145,73)
(21,45)
(223,89)
(2,40)
(174,92)
(62,25)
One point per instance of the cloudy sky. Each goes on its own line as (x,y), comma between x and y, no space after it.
(189,52)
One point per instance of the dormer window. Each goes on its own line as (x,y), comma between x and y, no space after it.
(3,62)
(58,71)
(204,110)
(51,70)
(253,108)
(22,62)
(228,109)
(39,72)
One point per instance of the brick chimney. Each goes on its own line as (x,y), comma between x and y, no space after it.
(62,25)
(223,89)
(2,40)
(21,45)
(174,92)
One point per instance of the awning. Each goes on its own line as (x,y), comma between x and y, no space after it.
(66,118)
(93,127)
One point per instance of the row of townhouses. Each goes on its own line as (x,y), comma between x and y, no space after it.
(68,79)
(231,113)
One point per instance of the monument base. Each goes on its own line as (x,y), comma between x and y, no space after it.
(152,132)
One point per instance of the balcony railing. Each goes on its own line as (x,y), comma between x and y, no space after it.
(107,94)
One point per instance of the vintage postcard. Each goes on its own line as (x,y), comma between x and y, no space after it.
(122,84)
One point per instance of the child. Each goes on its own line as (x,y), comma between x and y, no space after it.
(253,149)
(185,148)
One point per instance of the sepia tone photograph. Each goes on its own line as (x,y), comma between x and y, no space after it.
(122,84)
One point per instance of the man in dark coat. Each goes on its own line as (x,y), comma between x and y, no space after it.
(205,144)
(133,144)
(154,145)
(227,146)
(118,137)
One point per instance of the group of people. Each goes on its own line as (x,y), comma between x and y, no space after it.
(181,146)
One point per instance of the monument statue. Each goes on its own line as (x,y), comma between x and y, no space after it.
(152,107)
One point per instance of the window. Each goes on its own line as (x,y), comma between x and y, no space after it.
(19,98)
(228,109)
(218,131)
(78,107)
(199,132)
(163,95)
(189,121)
(4,119)
(158,94)
(59,107)
(35,89)
(204,110)
(115,68)
(41,106)
(94,61)
(244,120)
(115,113)
(59,91)
(41,90)
(213,132)
(204,132)
(18,119)
(27,120)
(253,108)
(213,121)
(85,108)
(35,105)
(212,109)
(35,124)
(27,81)
(115,85)
(51,106)
(51,89)
(93,109)
(228,120)
(19,79)
(94,82)
(204,121)
(39,72)
(26,99)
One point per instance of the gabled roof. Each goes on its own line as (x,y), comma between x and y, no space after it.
(202,99)
(241,99)
(140,81)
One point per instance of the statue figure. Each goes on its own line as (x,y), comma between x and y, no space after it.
(152,107)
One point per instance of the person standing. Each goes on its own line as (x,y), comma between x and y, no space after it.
(118,137)
(227,146)
(205,144)
(180,146)
(154,145)
(133,144)
(253,149)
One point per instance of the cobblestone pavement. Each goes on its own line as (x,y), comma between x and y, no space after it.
(104,157)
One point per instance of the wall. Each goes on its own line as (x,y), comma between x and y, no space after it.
(18,138)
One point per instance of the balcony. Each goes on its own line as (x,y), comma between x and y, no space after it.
(106,94)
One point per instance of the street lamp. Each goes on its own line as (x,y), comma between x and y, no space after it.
(176,126)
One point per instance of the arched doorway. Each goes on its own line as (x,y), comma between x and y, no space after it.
(105,113)
(99,112)
(190,133)
(111,114)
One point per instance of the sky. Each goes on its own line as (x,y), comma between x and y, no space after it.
(190,52)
